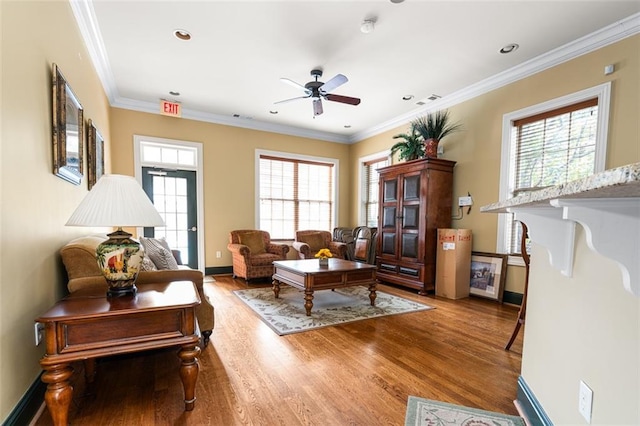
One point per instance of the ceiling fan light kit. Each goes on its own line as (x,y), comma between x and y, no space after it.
(317,90)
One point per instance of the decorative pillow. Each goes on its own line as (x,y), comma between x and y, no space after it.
(254,241)
(147,264)
(158,251)
(315,241)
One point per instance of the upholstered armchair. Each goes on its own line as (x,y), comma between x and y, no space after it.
(308,243)
(253,253)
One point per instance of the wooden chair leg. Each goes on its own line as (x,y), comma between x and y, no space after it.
(523,306)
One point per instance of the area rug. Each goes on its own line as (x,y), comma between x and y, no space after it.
(286,315)
(425,412)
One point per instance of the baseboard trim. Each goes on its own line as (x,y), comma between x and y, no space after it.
(218,270)
(529,407)
(512,298)
(28,406)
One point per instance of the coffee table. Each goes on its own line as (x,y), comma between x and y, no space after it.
(87,325)
(308,275)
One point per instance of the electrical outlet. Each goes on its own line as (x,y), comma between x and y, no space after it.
(465,201)
(218,255)
(585,401)
(39,332)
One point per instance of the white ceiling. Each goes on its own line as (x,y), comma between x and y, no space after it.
(240,49)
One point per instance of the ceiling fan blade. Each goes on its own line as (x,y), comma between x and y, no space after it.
(317,106)
(296,85)
(343,99)
(336,81)
(292,99)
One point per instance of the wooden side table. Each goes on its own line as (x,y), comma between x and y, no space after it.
(88,325)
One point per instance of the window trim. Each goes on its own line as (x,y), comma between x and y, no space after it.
(362,185)
(301,157)
(602,92)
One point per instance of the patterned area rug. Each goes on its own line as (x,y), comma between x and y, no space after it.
(286,315)
(424,412)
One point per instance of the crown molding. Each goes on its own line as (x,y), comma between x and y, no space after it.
(154,108)
(587,44)
(88,25)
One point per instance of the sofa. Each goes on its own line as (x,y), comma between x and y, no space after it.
(79,259)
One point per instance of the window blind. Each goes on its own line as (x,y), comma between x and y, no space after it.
(552,148)
(295,194)
(372,190)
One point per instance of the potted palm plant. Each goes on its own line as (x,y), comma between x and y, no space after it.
(411,147)
(433,128)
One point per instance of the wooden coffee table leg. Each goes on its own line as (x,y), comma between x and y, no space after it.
(189,373)
(59,392)
(372,293)
(276,288)
(308,301)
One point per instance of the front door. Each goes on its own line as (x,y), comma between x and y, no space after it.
(173,193)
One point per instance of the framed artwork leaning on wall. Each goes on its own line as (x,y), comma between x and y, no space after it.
(488,275)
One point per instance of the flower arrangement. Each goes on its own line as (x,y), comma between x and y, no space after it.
(323,253)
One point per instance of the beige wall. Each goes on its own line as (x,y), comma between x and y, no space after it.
(229,168)
(35,203)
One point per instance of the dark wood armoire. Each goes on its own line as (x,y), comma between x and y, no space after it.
(415,200)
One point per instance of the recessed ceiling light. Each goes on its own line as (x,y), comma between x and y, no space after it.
(407,97)
(509,48)
(368,25)
(273,112)
(396,1)
(182,35)
(174,93)
(347,126)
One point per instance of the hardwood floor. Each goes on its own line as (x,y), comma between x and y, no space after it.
(354,374)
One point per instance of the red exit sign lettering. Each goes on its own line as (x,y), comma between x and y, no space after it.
(170,108)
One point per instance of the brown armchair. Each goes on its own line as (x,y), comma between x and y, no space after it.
(308,243)
(253,253)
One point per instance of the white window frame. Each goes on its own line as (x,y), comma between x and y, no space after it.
(335,168)
(138,143)
(362,184)
(603,93)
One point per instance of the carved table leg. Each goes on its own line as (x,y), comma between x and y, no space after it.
(308,301)
(189,373)
(59,392)
(276,288)
(90,369)
(372,293)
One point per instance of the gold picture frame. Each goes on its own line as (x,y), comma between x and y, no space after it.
(95,154)
(68,130)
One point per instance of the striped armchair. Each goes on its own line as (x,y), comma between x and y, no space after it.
(253,253)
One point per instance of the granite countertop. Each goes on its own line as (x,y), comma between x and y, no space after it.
(620,182)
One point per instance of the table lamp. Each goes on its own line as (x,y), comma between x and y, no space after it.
(117,201)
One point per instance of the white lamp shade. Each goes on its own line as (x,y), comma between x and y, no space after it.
(116,201)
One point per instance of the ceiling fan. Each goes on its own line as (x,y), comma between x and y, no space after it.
(317,90)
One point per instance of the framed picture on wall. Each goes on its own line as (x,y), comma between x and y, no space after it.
(488,275)
(95,154)
(68,131)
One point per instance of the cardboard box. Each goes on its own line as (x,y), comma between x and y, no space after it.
(453,263)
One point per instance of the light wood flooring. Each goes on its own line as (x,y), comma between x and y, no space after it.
(354,374)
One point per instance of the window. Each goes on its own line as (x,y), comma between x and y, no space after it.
(369,177)
(550,144)
(295,193)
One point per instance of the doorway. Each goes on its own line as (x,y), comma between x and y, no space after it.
(170,172)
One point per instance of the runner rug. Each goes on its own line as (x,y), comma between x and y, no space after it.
(286,315)
(425,412)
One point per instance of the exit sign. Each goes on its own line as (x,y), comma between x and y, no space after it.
(170,108)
